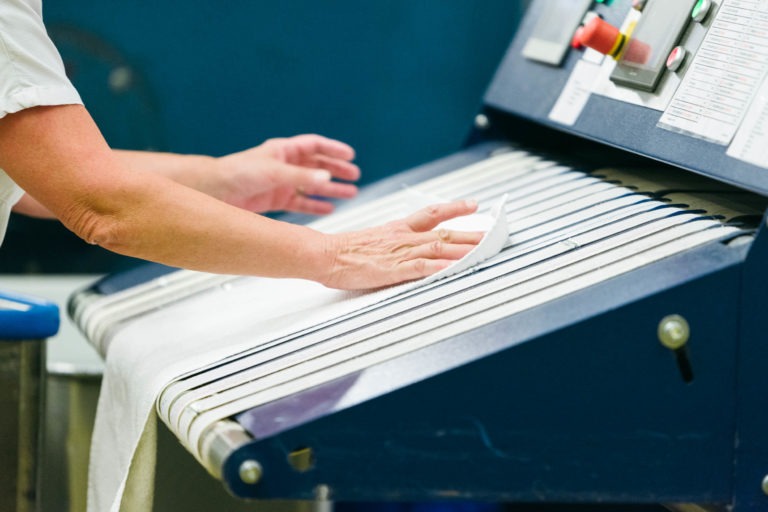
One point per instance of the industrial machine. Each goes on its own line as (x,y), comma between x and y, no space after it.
(613,352)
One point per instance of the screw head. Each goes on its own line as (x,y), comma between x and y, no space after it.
(322,492)
(673,332)
(482,122)
(250,472)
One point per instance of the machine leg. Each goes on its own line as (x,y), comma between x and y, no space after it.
(21,400)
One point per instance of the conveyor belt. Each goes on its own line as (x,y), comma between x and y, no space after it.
(569,230)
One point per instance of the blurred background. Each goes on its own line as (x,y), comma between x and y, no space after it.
(400,80)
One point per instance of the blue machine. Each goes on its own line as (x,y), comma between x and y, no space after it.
(25,323)
(641,387)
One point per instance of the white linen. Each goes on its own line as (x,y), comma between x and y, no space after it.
(10,194)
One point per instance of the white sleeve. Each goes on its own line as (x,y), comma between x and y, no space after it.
(31,70)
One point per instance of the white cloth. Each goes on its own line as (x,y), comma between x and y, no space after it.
(9,196)
(149,353)
(31,75)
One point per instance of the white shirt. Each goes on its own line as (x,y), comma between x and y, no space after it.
(31,75)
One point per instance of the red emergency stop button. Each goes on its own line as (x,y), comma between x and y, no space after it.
(576,39)
(600,35)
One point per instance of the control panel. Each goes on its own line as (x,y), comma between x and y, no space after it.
(683,81)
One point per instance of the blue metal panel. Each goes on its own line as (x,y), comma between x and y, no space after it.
(752,420)
(592,412)
(588,408)
(26,318)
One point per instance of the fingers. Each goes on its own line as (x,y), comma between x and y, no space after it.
(445,236)
(425,258)
(323,153)
(430,217)
(311,206)
(312,143)
(312,182)
(420,268)
(340,169)
(440,250)
(308,199)
(332,189)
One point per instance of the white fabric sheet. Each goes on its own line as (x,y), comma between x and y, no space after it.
(149,353)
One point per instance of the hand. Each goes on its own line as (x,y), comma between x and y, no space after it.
(291,174)
(401,250)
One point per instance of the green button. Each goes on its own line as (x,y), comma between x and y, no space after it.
(697,8)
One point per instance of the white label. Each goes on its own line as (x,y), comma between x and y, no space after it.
(751,141)
(725,74)
(575,93)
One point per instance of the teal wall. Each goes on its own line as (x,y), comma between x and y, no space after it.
(400,80)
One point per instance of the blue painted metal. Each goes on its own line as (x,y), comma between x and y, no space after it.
(574,401)
(26,318)
(752,419)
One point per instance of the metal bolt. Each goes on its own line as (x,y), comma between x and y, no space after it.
(482,122)
(250,472)
(322,492)
(765,484)
(674,332)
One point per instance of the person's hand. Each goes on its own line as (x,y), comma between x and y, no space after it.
(401,250)
(291,174)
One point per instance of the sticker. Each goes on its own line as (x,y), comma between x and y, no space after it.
(575,94)
(751,141)
(724,76)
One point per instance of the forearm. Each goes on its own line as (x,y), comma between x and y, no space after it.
(31,207)
(189,170)
(160,221)
(71,171)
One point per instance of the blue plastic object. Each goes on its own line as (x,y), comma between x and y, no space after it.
(26,318)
